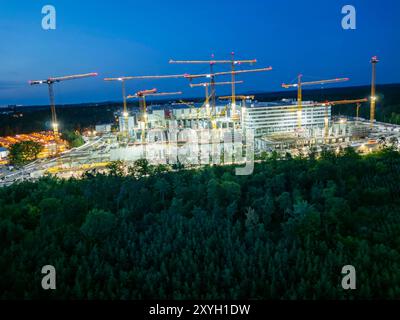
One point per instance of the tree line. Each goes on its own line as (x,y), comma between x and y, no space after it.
(284,232)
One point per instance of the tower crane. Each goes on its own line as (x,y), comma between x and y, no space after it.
(213,75)
(358,102)
(50,83)
(233,62)
(299,85)
(142,95)
(123,81)
(374,62)
(358,112)
(208,84)
(125,113)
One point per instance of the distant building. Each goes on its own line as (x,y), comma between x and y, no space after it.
(3,153)
(103,128)
(267,118)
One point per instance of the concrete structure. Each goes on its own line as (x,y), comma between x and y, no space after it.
(282,117)
(130,124)
(3,153)
(103,128)
(341,131)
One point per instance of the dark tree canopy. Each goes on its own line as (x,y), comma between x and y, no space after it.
(284,232)
(23,152)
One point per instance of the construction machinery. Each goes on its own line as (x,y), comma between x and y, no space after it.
(50,82)
(374,62)
(142,95)
(124,79)
(206,85)
(233,62)
(207,75)
(125,113)
(358,112)
(299,85)
(358,103)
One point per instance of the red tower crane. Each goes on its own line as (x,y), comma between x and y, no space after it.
(148,93)
(124,97)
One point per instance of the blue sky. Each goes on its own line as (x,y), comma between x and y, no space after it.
(135,37)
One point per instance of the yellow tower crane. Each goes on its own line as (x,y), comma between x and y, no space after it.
(207,75)
(374,62)
(233,62)
(142,95)
(358,103)
(206,85)
(299,85)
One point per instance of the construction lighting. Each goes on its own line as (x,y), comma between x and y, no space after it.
(299,85)
(50,83)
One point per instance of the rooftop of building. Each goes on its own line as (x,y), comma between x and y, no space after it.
(280,103)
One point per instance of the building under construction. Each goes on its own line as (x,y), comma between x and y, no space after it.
(284,125)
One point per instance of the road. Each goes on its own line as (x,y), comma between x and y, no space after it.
(98,151)
(90,152)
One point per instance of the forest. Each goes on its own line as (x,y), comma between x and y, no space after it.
(284,232)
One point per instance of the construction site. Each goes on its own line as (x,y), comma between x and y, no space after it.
(285,126)
(230,129)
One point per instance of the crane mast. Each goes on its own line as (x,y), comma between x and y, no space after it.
(50,83)
(213,92)
(212,76)
(374,62)
(299,101)
(124,97)
(358,103)
(206,85)
(142,95)
(241,97)
(299,85)
(53,111)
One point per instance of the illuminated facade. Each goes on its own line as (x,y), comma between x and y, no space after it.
(3,153)
(127,124)
(282,117)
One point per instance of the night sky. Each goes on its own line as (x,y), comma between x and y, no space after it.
(116,38)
